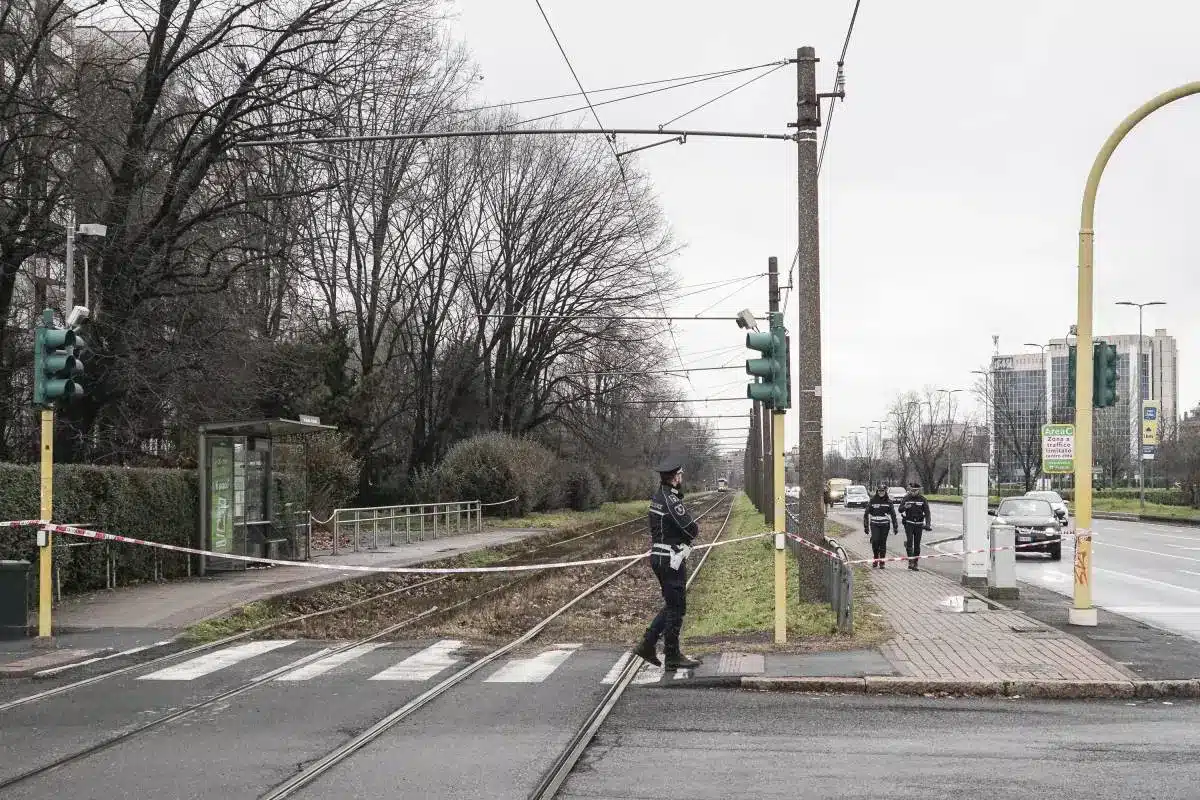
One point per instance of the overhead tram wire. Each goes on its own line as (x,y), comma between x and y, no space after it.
(624,178)
(714,75)
(839,83)
(724,94)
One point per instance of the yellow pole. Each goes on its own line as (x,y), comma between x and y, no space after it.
(1082,611)
(780,525)
(45,572)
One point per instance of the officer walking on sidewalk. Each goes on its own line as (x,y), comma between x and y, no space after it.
(672,531)
(879,516)
(914,510)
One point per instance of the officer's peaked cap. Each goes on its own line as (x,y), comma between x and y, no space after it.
(668,466)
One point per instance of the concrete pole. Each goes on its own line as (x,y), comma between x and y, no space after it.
(807,397)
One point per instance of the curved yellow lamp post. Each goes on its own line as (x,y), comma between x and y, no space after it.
(1082,611)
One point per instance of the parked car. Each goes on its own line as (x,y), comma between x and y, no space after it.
(897,493)
(857,497)
(1037,525)
(1056,502)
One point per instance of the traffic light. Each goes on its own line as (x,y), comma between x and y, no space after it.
(56,365)
(1072,356)
(1104,378)
(772,370)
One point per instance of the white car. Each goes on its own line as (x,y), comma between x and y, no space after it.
(857,497)
(1061,509)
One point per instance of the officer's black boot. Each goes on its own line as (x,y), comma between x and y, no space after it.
(646,652)
(678,660)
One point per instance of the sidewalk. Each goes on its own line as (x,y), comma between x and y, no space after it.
(104,621)
(933,640)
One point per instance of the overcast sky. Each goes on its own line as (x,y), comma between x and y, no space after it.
(951,188)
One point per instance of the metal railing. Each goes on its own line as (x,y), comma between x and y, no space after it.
(358,529)
(837,577)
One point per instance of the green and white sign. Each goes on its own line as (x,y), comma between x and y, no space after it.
(1058,449)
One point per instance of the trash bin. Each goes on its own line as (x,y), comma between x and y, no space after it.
(14,599)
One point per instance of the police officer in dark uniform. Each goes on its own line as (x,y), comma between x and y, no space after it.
(878,518)
(672,531)
(914,510)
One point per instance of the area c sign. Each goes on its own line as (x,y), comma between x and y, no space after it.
(1058,449)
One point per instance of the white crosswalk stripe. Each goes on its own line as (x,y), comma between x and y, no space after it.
(211,662)
(423,665)
(535,669)
(329,663)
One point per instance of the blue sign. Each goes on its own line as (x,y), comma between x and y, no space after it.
(1150,413)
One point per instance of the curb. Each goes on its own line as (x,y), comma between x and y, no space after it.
(1046,690)
(29,667)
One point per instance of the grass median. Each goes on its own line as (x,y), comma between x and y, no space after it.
(1112,505)
(733,599)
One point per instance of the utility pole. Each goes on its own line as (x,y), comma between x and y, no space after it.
(809,466)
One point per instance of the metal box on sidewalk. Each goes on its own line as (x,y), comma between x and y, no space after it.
(14,599)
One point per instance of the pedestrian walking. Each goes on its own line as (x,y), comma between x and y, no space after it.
(828,499)
(672,531)
(914,510)
(878,518)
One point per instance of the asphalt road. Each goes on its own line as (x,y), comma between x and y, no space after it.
(490,737)
(700,744)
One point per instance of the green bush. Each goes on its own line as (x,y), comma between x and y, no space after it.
(493,467)
(622,485)
(159,505)
(581,487)
(1166,497)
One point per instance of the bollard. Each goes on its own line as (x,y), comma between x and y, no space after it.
(1002,563)
(975,524)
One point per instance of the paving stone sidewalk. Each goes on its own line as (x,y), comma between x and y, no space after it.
(932,640)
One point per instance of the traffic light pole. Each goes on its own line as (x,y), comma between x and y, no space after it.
(1082,612)
(777,498)
(45,555)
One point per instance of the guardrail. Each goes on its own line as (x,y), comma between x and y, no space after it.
(837,577)
(357,529)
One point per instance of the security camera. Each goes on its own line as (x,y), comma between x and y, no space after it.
(78,314)
(745,319)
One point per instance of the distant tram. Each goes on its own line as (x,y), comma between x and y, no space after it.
(722,485)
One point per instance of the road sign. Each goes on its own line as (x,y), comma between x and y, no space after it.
(1150,422)
(1058,449)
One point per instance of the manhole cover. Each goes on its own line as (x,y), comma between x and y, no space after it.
(1102,637)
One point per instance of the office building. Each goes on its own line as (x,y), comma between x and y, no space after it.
(1029,389)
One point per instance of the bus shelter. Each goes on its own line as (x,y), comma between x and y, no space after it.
(254,490)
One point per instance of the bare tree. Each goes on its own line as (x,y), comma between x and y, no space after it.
(927,430)
(1018,403)
(1112,442)
(864,458)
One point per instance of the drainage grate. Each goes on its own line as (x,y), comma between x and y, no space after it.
(1028,629)
(1103,637)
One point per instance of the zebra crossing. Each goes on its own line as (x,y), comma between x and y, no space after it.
(376,662)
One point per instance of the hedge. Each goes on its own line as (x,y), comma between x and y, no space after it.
(1165,497)
(159,505)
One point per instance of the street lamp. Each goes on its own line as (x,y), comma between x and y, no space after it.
(86,229)
(1140,412)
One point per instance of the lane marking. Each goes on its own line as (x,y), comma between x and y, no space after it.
(615,671)
(324,665)
(55,670)
(211,662)
(1140,579)
(423,665)
(1147,552)
(535,669)
(1155,609)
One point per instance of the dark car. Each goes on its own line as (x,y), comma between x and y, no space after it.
(1038,528)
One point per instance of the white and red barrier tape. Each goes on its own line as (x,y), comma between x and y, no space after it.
(1023,546)
(22,523)
(70,530)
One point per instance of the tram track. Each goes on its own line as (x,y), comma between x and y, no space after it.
(247,686)
(283,624)
(340,754)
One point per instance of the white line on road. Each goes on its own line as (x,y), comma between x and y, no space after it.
(535,669)
(1140,579)
(55,670)
(1147,552)
(423,665)
(1155,609)
(321,666)
(203,665)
